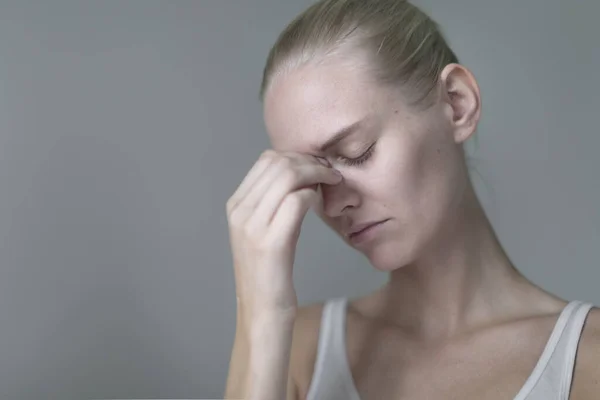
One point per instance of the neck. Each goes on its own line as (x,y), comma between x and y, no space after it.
(463,280)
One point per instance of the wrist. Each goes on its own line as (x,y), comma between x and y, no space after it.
(269,327)
(257,321)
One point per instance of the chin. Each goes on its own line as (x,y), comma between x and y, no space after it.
(387,257)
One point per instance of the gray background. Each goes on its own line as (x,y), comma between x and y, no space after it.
(126,125)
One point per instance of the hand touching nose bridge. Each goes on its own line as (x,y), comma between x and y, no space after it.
(318,186)
(265,214)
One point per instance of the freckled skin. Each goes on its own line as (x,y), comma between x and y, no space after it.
(416,176)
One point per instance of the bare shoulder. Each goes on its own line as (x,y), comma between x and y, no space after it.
(304,346)
(586,378)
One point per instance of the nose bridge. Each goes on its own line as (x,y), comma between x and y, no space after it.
(336,198)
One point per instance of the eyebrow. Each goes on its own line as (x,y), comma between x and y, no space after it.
(341,135)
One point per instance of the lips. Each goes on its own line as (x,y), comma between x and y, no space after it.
(357,229)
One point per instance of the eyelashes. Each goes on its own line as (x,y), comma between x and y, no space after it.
(364,157)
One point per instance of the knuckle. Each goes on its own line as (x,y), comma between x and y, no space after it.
(235,218)
(285,162)
(233,221)
(230,205)
(291,176)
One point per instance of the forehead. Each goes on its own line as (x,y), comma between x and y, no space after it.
(303,107)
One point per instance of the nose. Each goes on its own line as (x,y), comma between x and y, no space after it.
(336,199)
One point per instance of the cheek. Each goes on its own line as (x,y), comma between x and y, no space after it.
(436,181)
(398,172)
(412,177)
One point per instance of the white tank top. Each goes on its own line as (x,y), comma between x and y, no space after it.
(550,379)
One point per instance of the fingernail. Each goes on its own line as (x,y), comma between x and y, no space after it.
(323,161)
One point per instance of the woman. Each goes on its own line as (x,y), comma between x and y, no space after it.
(367,110)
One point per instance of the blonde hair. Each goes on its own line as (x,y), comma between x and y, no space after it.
(402,44)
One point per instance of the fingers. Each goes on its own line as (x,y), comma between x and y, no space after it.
(306,175)
(273,177)
(259,167)
(287,221)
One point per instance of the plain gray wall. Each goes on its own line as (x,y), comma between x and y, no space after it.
(126,125)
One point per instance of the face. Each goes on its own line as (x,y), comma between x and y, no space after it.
(403,167)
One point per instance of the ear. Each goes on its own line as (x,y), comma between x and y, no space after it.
(460,93)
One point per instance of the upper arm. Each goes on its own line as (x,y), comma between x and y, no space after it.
(586,377)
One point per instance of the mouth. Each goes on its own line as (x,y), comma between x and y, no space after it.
(364,231)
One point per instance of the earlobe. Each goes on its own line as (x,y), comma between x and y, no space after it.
(461,92)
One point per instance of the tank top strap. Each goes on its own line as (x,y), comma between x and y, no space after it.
(332,378)
(551,378)
(571,340)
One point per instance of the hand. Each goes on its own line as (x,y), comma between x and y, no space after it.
(265,215)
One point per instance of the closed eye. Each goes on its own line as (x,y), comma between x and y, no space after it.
(360,159)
